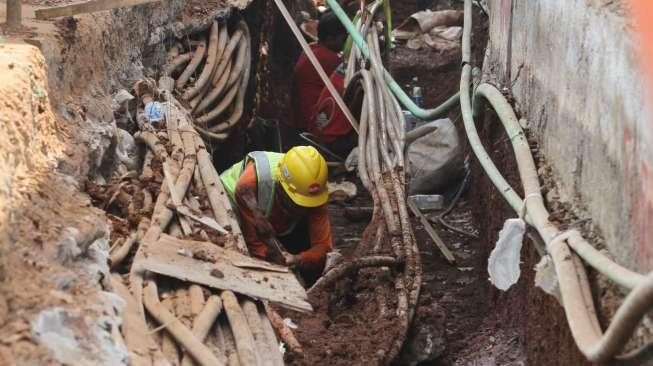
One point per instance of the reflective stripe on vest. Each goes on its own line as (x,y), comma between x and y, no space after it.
(265,164)
(265,183)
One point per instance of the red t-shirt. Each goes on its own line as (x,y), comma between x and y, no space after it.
(328,122)
(307,84)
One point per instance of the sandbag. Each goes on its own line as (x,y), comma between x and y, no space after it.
(435,161)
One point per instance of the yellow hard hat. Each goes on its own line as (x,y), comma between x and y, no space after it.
(303,175)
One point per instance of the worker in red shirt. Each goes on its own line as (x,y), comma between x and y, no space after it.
(281,200)
(307,84)
(328,123)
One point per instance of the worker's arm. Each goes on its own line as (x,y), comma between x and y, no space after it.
(250,214)
(320,236)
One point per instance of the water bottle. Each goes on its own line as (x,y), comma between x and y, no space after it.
(417,96)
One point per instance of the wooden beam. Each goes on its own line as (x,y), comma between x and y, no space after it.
(432,232)
(86,7)
(142,347)
(177,329)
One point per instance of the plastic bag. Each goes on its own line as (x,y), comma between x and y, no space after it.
(435,160)
(153,111)
(503,265)
(546,278)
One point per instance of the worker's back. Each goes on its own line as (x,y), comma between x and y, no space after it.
(307,85)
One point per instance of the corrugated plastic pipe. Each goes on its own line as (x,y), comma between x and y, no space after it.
(572,279)
(405,100)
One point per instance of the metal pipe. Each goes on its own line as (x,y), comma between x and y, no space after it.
(405,100)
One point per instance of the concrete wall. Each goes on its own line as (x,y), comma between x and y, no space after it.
(573,68)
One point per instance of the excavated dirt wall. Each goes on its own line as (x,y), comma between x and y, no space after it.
(58,130)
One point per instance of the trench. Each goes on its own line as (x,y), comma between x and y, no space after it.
(460,318)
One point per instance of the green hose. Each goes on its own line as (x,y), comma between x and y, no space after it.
(425,114)
(387,11)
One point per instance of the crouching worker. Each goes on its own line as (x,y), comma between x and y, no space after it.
(329,123)
(282,203)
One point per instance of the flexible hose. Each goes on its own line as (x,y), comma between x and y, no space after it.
(572,279)
(228,77)
(405,100)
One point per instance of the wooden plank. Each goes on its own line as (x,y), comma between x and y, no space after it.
(204,220)
(176,200)
(86,7)
(142,347)
(223,269)
(432,232)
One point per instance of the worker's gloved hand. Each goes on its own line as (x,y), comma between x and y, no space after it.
(274,256)
(291,259)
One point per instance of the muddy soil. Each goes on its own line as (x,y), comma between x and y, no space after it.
(482,325)
(349,315)
(477,323)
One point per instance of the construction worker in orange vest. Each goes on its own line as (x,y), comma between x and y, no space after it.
(282,203)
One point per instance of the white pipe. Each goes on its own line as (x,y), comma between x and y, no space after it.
(572,279)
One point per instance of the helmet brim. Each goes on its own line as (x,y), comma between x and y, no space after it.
(306,201)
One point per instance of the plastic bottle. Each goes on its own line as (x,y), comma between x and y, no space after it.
(417,96)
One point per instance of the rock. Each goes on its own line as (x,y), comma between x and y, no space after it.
(57,329)
(64,281)
(67,248)
(342,191)
(52,328)
(101,140)
(126,152)
(426,338)
(119,99)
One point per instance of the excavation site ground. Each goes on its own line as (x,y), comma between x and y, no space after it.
(119,244)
